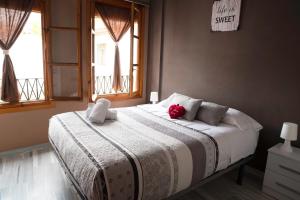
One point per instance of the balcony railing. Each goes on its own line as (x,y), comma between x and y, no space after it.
(103,85)
(33,89)
(30,89)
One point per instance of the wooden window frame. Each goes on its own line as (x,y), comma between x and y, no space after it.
(37,104)
(51,64)
(90,10)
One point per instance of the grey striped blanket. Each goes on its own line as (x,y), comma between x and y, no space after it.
(138,156)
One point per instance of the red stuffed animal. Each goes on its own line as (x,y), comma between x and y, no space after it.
(176,111)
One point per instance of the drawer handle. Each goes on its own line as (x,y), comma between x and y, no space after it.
(288,188)
(289,169)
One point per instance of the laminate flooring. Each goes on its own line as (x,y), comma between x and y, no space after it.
(36,174)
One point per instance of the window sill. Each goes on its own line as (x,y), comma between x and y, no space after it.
(117,97)
(25,106)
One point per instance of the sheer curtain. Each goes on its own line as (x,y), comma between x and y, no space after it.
(117,21)
(13,16)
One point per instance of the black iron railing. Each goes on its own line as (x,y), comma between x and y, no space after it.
(103,85)
(33,89)
(30,89)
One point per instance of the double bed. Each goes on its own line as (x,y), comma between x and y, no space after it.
(144,154)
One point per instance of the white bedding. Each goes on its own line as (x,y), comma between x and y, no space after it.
(234,144)
(142,156)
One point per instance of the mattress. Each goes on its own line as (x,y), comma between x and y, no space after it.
(144,154)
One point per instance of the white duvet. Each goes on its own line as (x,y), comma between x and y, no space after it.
(234,144)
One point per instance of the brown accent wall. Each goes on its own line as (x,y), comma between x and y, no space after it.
(255,69)
(155,39)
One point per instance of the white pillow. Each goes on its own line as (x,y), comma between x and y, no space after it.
(179,99)
(174,98)
(166,102)
(241,120)
(191,105)
(98,113)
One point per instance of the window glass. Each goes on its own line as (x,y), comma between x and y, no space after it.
(104,48)
(135,79)
(65,13)
(103,56)
(65,81)
(135,50)
(101,53)
(64,46)
(27,57)
(136,23)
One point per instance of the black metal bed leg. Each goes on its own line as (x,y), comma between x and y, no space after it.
(241,175)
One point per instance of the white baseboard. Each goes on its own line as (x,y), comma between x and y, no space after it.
(23,150)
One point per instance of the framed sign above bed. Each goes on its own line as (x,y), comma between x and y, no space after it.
(226,15)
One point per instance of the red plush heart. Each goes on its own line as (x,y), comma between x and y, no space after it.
(176,111)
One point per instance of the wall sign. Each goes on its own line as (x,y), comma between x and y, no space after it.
(226,15)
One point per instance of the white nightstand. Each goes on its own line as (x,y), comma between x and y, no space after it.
(282,176)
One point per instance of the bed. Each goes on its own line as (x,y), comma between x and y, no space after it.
(144,154)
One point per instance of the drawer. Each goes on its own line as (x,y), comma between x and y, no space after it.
(282,185)
(284,166)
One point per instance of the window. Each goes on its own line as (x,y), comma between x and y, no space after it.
(27,56)
(130,53)
(64,49)
(101,54)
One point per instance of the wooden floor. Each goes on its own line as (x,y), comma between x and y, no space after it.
(36,174)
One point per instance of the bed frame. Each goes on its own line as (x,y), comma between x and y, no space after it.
(240,164)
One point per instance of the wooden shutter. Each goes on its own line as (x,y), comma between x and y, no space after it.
(136,48)
(92,28)
(64,53)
